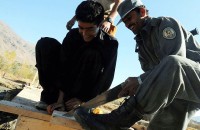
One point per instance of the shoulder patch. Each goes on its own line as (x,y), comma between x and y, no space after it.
(169,33)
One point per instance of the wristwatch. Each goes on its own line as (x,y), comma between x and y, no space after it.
(108,19)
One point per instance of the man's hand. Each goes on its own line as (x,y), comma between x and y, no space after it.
(72,103)
(55,106)
(105,26)
(59,105)
(129,88)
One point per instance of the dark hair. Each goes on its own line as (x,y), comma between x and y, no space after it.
(90,12)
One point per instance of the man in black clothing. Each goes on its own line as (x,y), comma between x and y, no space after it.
(82,67)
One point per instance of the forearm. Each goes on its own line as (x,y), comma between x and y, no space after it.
(74,18)
(113,14)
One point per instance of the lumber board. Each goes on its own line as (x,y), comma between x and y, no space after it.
(30,118)
(26,123)
(64,119)
(20,109)
(29,96)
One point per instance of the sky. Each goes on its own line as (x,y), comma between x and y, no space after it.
(33,19)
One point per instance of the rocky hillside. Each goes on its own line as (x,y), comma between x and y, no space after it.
(10,41)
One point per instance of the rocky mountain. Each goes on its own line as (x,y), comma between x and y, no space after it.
(10,41)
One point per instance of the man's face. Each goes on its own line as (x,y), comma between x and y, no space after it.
(133,21)
(88,30)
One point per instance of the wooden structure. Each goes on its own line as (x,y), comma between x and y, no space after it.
(30,118)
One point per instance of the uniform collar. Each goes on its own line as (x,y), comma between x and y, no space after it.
(148,24)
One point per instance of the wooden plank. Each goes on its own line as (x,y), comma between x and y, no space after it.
(64,119)
(23,110)
(58,119)
(29,96)
(26,123)
(31,118)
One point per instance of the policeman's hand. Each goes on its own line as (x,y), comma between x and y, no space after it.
(129,88)
(70,24)
(106,26)
(72,103)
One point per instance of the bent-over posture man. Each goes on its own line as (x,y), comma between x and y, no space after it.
(82,67)
(170,84)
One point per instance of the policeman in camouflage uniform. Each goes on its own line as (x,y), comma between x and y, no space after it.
(170,84)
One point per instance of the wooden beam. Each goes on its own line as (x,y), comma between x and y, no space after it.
(26,123)
(19,109)
(30,118)
(64,119)
(29,96)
